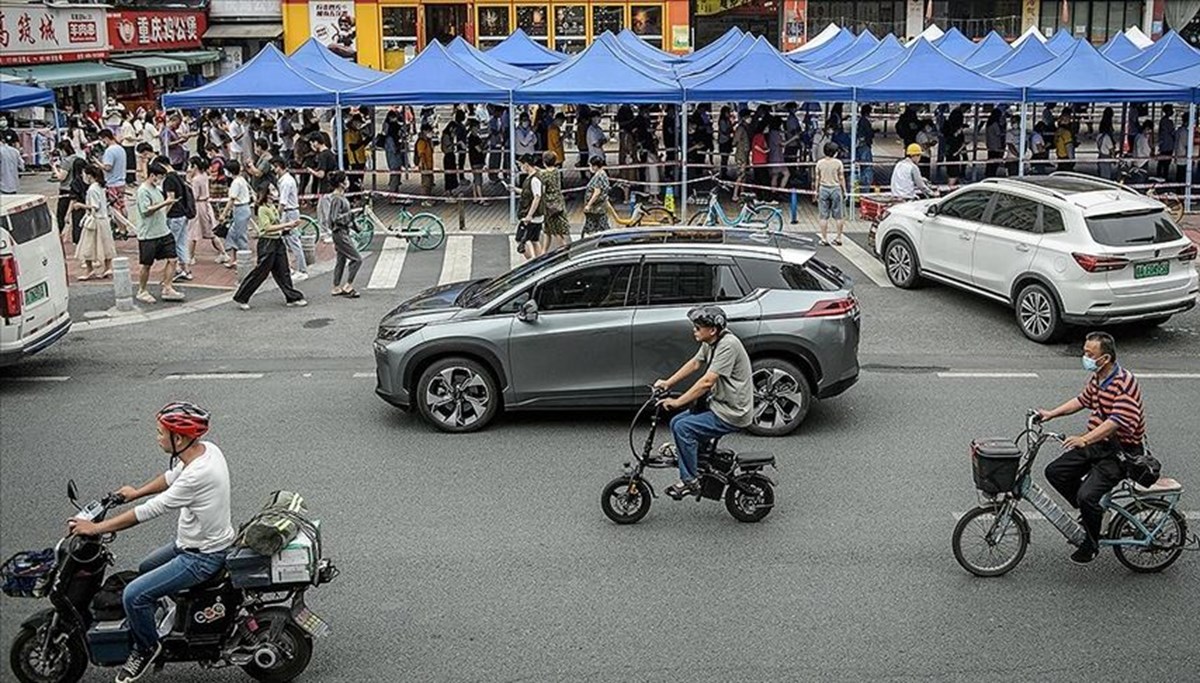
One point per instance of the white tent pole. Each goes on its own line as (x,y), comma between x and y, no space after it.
(337,123)
(512,161)
(853,147)
(1024,133)
(681,202)
(1191,156)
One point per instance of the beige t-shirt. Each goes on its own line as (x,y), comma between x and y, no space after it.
(830,172)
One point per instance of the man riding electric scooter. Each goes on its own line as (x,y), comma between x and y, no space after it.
(722,399)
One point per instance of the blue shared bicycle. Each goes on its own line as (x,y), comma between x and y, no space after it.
(754,215)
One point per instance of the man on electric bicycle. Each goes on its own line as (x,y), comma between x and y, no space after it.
(198,487)
(1090,465)
(722,399)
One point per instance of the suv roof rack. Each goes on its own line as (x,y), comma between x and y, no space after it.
(1094,182)
(1025,185)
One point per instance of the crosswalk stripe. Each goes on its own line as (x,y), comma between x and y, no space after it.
(865,262)
(515,259)
(387,269)
(456,262)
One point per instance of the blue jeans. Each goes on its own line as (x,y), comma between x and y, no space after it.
(239,231)
(179,230)
(866,172)
(690,430)
(165,572)
(292,240)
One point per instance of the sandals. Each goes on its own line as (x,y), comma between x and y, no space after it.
(681,490)
(837,243)
(146,298)
(173,296)
(87,276)
(823,243)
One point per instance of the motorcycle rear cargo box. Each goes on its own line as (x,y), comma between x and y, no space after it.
(994,464)
(295,564)
(109,642)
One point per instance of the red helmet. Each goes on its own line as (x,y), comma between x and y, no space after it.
(185,419)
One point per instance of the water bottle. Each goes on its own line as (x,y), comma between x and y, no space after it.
(669,200)
(1056,515)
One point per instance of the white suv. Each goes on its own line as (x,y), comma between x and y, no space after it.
(1060,249)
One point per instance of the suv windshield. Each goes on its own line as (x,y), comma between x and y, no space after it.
(502,283)
(1132,228)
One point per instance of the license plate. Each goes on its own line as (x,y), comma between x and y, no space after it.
(1152,269)
(36,293)
(312,624)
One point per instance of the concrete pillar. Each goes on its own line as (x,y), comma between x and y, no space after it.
(245,264)
(122,284)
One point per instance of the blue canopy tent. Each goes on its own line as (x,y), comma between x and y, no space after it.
(887,51)
(518,49)
(489,67)
(926,74)
(433,77)
(729,38)
(313,56)
(1119,48)
(645,64)
(268,80)
(1188,78)
(864,43)
(1171,53)
(955,45)
(601,74)
(716,57)
(1060,42)
(1029,54)
(1082,74)
(994,47)
(834,45)
(634,45)
(14,96)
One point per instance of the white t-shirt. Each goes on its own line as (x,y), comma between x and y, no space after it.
(235,138)
(201,493)
(535,186)
(289,195)
(239,191)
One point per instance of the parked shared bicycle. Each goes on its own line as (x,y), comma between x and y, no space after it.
(753,215)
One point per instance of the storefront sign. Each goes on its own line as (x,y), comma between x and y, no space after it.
(681,37)
(707,8)
(795,24)
(133,30)
(36,34)
(333,25)
(1029,14)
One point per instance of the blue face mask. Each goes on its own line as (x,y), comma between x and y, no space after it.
(1090,364)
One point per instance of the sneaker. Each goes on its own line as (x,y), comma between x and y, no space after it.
(298,303)
(180,276)
(1085,554)
(138,664)
(300,276)
(223,258)
(244,307)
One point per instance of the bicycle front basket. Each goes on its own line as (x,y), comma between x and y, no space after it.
(24,574)
(994,464)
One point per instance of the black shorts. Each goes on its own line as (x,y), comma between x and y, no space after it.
(157,249)
(532,232)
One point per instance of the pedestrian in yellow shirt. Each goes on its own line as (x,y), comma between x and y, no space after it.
(554,137)
(424,152)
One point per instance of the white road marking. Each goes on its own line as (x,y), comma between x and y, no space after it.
(218,375)
(364,375)
(1033,516)
(1167,375)
(456,263)
(514,259)
(987,375)
(40,378)
(387,267)
(864,261)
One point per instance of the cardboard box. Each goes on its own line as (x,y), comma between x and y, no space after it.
(297,562)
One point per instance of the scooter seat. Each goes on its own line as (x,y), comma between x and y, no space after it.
(214,581)
(1163,485)
(756,458)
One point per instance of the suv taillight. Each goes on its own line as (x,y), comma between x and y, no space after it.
(1189,253)
(1099,264)
(830,308)
(10,289)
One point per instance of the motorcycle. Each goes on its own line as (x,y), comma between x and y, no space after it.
(738,478)
(267,631)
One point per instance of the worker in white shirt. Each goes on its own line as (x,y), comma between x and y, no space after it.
(907,181)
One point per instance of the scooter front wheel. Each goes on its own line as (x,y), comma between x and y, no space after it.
(626,500)
(749,498)
(986,550)
(64,661)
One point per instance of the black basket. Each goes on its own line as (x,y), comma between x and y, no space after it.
(24,574)
(994,465)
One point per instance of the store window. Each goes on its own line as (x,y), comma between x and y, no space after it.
(880,18)
(977,18)
(1095,20)
(534,20)
(492,25)
(607,18)
(399,35)
(647,22)
(570,28)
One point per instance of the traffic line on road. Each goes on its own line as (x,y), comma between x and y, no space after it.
(864,261)
(39,378)
(456,262)
(1033,516)
(364,375)
(1168,375)
(987,375)
(387,269)
(515,259)
(216,375)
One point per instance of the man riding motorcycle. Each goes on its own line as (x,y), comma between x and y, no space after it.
(196,484)
(724,381)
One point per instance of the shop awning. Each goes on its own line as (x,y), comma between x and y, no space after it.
(264,31)
(73,73)
(13,96)
(150,65)
(191,57)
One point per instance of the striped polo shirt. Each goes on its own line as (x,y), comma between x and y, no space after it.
(1118,398)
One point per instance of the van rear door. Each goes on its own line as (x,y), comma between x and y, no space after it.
(29,232)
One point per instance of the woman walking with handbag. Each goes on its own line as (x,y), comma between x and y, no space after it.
(556,227)
(96,239)
(333,212)
(272,256)
(202,226)
(595,203)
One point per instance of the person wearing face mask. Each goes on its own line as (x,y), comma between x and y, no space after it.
(1090,465)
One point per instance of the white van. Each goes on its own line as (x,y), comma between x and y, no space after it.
(33,278)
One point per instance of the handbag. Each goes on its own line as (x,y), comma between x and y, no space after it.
(1143,468)
(222,229)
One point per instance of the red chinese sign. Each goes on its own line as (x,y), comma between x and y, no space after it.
(134,30)
(35,34)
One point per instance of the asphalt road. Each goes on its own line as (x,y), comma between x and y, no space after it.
(486,557)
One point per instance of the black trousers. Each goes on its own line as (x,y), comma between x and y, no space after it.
(76,216)
(273,261)
(1163,169)
(993,166)
(1083,476)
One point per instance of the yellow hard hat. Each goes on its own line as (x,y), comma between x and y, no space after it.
(913,150)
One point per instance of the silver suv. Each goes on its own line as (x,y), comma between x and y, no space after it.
(1060,249)
(591,324)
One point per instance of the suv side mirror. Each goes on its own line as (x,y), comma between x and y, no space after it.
(931,210)
(72,493)
(528,313)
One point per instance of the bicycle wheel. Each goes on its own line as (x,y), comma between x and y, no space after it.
(426,232)
(655,216)
(983,557)
(1167,545)
(770,217)
(364,232)
(309,226)
(701,218)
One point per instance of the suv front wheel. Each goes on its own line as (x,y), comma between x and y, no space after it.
(1038,314)
(782,397)
(900,261)
(457,395)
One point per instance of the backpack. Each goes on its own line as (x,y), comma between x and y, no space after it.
(188,200)
(447,141)
(78,186)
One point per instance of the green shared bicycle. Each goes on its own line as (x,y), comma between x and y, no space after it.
(424,231)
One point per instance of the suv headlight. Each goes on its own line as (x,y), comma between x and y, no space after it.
(390,333)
